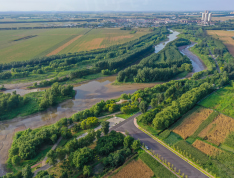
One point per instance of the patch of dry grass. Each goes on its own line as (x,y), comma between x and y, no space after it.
(217,131)
(206,148)
(136,169)
(191,123)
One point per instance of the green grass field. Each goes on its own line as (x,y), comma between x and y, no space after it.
(34,47)
(222,101)
(49,40)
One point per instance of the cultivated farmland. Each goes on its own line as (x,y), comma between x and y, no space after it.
(222,101)
(101,38)
(135,169)
(217,131)
(206,148)
(191,122)
(225,37)
(48,42)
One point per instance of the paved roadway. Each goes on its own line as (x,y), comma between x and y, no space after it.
(186,168)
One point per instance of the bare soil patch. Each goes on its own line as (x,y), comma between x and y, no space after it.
(192,122)
(63,46)
(136,169)
(206,148)
(20,128)
(225,37)
(217,131)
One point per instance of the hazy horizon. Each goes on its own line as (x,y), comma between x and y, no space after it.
(115,5)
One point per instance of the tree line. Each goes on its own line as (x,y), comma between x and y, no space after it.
(158,67)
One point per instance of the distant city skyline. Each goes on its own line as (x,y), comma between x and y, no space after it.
(116,5)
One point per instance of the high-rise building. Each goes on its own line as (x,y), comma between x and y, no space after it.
(206,17)
(203,16)
(209,17)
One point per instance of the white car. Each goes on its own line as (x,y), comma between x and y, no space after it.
(146,147)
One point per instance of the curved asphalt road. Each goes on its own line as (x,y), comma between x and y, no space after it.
(186,168)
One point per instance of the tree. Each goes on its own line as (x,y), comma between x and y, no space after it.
(15,160)
(64,175)
(41,174)
(136,144)
(66,133)
(154,102)
(143,106)
(98,134)
(128,140)
(54,138)
(87,170)
(82,156)
(27,172)
(8,175)
(61,153)
(52,157)
(105,127)
(76,127)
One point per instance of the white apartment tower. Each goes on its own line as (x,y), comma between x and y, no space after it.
(209,17)
(203,16)
(206,17)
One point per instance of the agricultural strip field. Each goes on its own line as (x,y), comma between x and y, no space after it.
(38,46)
(206,148)
(217,131)
(54,41)
(102,38)
(225,37)
(222,101)
(136,169)
(192,121)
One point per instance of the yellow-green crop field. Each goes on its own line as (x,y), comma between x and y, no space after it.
(58,41)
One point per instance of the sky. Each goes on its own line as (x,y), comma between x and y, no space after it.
(115,5)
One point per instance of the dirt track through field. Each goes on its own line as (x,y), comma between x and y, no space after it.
(56,51)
